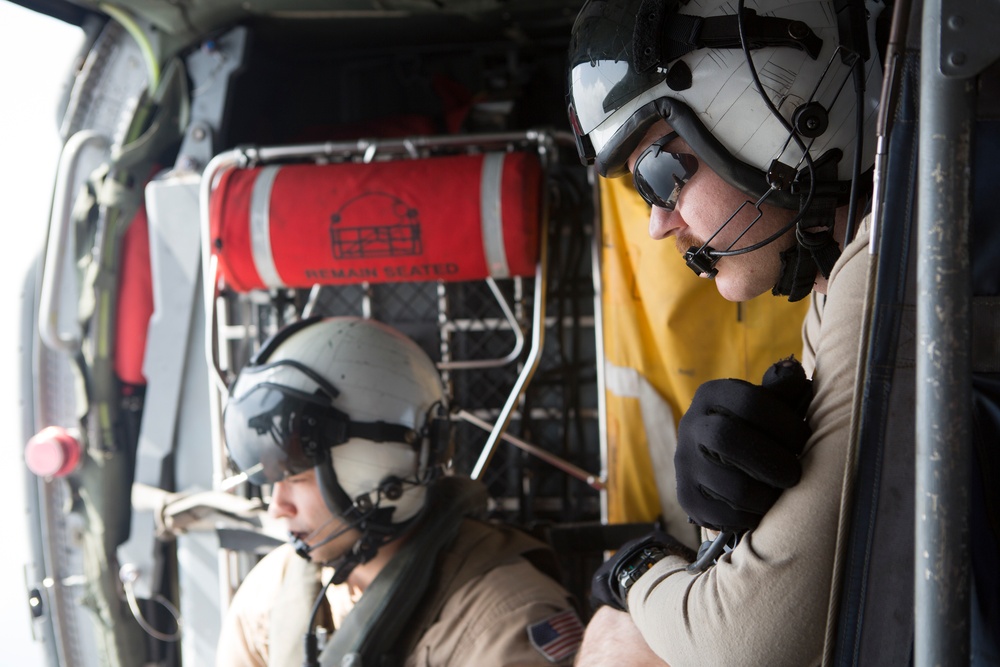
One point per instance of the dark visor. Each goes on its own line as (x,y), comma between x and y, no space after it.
(264,428)
(659,174)
(601,78)
(274,431)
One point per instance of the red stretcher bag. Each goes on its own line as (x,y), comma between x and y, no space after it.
(464,217)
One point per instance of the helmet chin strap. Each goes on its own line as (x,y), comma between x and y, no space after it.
(360,553)
(816,249)
(370,518)
(362,513)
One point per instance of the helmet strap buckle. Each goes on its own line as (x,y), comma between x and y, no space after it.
(780,176)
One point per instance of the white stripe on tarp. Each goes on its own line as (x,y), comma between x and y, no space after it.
(661,437)
(492,215)
(260,226)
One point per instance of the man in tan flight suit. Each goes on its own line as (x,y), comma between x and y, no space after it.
(339,415)
(748,131)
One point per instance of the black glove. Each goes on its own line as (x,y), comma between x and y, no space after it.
(617,574)
(738,447)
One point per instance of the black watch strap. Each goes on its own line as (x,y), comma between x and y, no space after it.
(636,565)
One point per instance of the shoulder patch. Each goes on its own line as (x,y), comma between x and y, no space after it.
(557,637)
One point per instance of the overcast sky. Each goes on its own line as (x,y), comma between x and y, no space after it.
(35,56)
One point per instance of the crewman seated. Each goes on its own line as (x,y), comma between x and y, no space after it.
(347,420)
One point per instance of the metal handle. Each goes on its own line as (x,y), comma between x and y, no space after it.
(52,273)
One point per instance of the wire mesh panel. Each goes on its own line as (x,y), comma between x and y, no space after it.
(457,322)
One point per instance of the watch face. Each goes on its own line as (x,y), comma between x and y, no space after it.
(634,567)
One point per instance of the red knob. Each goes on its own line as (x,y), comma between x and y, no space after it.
(52,452)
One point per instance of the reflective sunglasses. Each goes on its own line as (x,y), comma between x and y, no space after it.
(659,174)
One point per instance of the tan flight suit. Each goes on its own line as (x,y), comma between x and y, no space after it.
(483,621)
(766,602)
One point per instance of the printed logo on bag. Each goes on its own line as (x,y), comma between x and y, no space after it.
(375,225)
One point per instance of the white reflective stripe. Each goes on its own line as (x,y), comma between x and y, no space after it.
(661,440)
(260,226)
(492,215)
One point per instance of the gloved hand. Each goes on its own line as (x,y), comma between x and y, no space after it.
(738,447)
(633,559)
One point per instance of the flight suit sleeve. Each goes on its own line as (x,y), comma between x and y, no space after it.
(766,602)
(488,623)
(810,331)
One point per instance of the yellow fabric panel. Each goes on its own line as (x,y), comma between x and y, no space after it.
(677,332)
(631,468)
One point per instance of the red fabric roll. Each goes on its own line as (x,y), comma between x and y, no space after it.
(399,221)
(135,301)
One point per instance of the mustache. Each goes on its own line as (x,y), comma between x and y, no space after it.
(687,240)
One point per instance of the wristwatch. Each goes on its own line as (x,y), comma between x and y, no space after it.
(635,565)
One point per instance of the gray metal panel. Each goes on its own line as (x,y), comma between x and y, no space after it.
(176,421)
(944,370)
(197,553)
(172,207)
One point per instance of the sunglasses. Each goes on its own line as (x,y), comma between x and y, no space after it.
(659,174)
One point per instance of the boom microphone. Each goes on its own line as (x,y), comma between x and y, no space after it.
(302,546)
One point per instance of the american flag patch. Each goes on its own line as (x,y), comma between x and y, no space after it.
(557,637)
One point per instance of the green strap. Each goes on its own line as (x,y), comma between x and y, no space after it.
(383,613)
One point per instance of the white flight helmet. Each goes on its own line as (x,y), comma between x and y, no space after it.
(354,399)
(632,62)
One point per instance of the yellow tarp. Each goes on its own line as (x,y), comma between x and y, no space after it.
(666,331)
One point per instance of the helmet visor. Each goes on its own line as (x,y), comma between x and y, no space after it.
(264,429)
(659,174)
(601,76)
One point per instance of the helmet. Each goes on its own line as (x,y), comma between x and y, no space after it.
(352,398)
(633,62)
